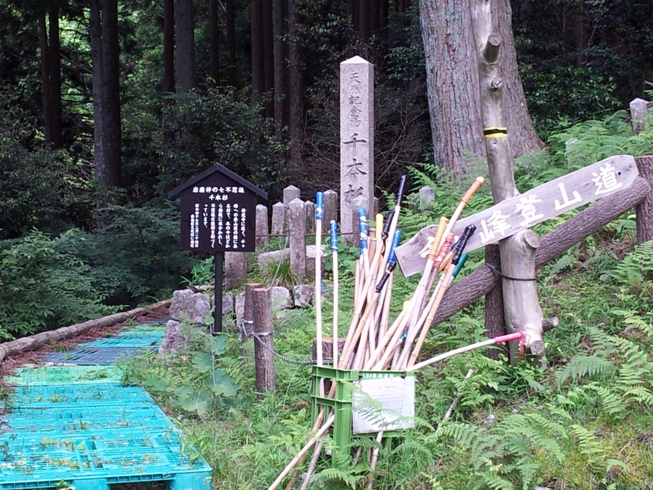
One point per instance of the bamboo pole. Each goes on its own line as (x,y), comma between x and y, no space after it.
(302,452)
(319,216)
(334,254)
(497,340)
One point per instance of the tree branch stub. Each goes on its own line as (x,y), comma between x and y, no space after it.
(491,51)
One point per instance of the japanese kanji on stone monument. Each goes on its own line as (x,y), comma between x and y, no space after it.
(356,140)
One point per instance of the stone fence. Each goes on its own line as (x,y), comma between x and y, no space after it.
(293,220)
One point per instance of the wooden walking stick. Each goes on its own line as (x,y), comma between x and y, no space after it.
(333,228)
(463,202)
(300,455)
(319,216)
(414,329)
(457,263)
(521,336)
(363,230)
(421,290)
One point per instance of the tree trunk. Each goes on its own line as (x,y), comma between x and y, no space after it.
(352,13)
(214,42)
(111,98)
(232,78)
(295,90)
(95,32)
(55,78)
(452,82)
(45,81)
(494,318)
(268,56)
(185,46)
(521,305)
(364,20)
(452,79)
(258,65)
(523,138)
(168,46)
(644,211)
(280,118)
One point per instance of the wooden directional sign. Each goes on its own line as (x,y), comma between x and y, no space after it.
(218,212)
(512,215)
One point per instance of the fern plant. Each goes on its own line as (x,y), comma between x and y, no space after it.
(505,455)
(635,271)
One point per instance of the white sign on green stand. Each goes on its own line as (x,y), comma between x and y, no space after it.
(383,404)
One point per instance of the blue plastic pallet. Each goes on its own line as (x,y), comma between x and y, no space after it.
(93,356)
(78,396)
(71,421)
(69,375)
(94,462)
(135,341)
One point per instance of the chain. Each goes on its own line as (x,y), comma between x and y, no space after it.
(259,336)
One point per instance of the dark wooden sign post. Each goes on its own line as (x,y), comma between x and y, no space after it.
(218,215)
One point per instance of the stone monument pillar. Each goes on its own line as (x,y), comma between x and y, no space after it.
(356,140)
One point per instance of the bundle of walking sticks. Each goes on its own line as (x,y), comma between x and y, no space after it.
(372,343)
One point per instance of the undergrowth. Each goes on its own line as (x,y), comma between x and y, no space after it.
(583,419)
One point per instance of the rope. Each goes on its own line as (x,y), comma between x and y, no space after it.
(497,272)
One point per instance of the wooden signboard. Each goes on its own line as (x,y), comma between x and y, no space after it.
(535,206)
(218,212)
(218,215)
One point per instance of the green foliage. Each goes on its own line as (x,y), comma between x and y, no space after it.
(192,382)
(505,455)
(136,255)
(590,141)
(561,94)
(38,188)
(225,129)
(635,272)
(44,286)
(202,273)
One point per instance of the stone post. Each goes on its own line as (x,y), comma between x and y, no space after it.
(235,270)
(330,206)
(289,193)
(356,139)
(426,197)
(297,224)
(638,109)
(279,219)
(309,206)
(262,230)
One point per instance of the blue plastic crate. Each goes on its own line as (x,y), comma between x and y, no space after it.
(71,375)
(133,341)
(110,457)
(93,356)
(53,420)
(76,396)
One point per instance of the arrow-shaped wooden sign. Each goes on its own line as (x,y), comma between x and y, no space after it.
(535,206)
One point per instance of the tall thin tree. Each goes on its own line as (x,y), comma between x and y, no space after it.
(45,79)
(278,14)
(258,64)
(185,46)
(295,87)
(214,42)
(168,84)
(232,78)
(105,51)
